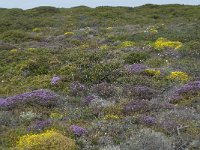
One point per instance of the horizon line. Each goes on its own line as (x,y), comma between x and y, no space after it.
(97,6)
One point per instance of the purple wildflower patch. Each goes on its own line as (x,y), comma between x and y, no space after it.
(143,92)
(42,97)
(3,102)
(77,88)
(87,100)
(135,68)
(148,120)
(135,106)
(78,131)
(104,89)
(39,125)
(55,80)
(191,88)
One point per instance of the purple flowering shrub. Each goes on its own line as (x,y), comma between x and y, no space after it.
(104,89)
(87,100)
(55,80)
(40,125)
(142,92)
(42,97)
(135,68)
(78,131)
(192,88)
(148,120)
(3,103)
(135,106)
(77,89)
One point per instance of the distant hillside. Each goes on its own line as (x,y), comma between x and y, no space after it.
(80,17)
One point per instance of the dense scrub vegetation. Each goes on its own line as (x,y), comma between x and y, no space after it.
(106,78)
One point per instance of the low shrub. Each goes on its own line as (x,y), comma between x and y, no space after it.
(178,76)
(14,36)
(136,57)
(152,72)
(49,140)
(104,90)
(162,43)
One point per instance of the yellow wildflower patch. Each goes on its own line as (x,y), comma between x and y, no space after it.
(127,44)
(49,140)
(56,115)
(162,43)
(178,75)
(37,30)
(107,117)
(69,33)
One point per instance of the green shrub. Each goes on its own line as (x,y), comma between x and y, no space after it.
(100,72)
(191,49)
(34,67)
(14,36)
(136,57)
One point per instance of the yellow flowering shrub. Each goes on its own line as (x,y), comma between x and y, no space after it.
(32,49)
(69,33)
(152,72)
(56,115)
(13,50)
(37,30)
(162,43)
(104,47)
(49,140)
(127,44)
(179,76)
(108,117)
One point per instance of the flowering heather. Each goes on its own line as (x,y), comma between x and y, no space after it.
(88,99)
(55,80)
(190,88)
(143,92)
(77,88)
(3,103)
(135,106)
(39,125)
(78,130)
(42,97)
(148,120)
(104,89)
(135,68)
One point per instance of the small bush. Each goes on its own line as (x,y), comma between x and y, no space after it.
(104,89)
(191,49)
(178,76)
(136,57)
(49,140)
(14,36)
(152,72)
(127,44)
(162,43)
(148,139)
